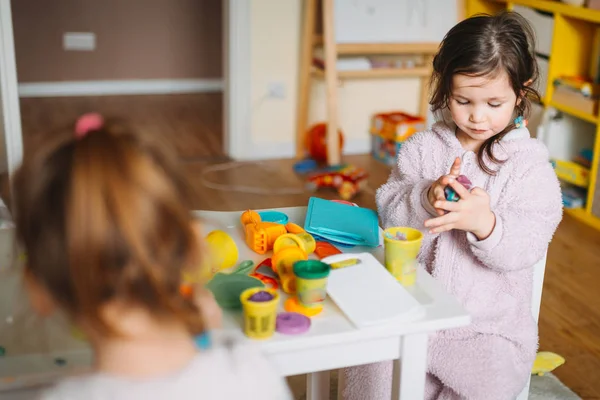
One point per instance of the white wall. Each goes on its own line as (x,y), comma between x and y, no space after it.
(275,47)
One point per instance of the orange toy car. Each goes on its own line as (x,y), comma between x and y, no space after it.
(347,179)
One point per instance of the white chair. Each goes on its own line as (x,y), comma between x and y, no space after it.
(536,299)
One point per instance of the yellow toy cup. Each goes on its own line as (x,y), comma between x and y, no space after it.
(303,240)
(402,246)
(308,242)
(283,265)
(260,312)
(311,282)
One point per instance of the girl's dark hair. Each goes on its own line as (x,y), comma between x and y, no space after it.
(106,217)
(486,45)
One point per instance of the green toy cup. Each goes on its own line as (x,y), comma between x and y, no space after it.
(311,282)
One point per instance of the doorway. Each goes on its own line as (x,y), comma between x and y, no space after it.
(38,93)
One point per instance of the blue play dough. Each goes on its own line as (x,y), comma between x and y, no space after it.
(203,341)
(273,216)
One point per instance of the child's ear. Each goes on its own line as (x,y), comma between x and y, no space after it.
(42,302)
(526,84)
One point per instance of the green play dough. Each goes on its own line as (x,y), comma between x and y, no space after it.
(227,288)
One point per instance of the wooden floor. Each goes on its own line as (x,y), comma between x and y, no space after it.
(570,311)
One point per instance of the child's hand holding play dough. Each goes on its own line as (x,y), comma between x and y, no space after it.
(436,190)
(471,213)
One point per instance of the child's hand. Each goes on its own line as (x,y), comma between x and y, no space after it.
(471,213)
(436,191)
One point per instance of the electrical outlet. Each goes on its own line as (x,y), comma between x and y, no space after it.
(276,90)
(79,41)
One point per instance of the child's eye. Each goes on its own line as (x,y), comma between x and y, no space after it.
(494,105)
(462,102)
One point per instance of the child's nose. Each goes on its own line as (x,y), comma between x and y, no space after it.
(477,115)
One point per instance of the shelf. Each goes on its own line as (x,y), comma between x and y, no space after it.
(581,13)
(346,49)
(581,215)
(379,73)
(572,173)
(575,112)
(356,49)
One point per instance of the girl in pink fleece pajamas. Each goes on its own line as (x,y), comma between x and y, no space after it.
(481,248)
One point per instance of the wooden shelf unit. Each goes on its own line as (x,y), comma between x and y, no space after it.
(332,50)
(574,45)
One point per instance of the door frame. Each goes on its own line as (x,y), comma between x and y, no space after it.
(9,93)
(236,96)
(237,89)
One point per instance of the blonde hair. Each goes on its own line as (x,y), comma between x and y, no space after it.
(106,217)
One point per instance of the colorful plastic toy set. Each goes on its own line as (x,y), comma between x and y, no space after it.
(389,131)
(304,280)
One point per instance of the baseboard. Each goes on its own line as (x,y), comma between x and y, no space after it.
(273,151)
(119,87)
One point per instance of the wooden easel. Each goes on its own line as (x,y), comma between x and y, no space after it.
(331,50)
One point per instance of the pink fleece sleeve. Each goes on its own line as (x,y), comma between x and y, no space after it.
(527,216)
(402,200)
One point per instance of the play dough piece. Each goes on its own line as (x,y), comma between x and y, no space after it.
(291,323)
(261,296)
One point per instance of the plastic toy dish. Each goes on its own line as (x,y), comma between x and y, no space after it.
(273,216)
(227,288)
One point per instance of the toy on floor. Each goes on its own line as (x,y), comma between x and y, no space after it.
(451,194)
(389,131)
(545,362)
(347,179)
(316,142)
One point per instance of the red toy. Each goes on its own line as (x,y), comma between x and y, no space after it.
(348,180)
(316,142)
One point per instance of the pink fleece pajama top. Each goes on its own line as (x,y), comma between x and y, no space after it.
(492,278)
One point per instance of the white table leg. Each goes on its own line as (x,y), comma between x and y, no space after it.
(410,370)
(317,385)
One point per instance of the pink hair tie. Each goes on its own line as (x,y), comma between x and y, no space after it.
(88,122)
